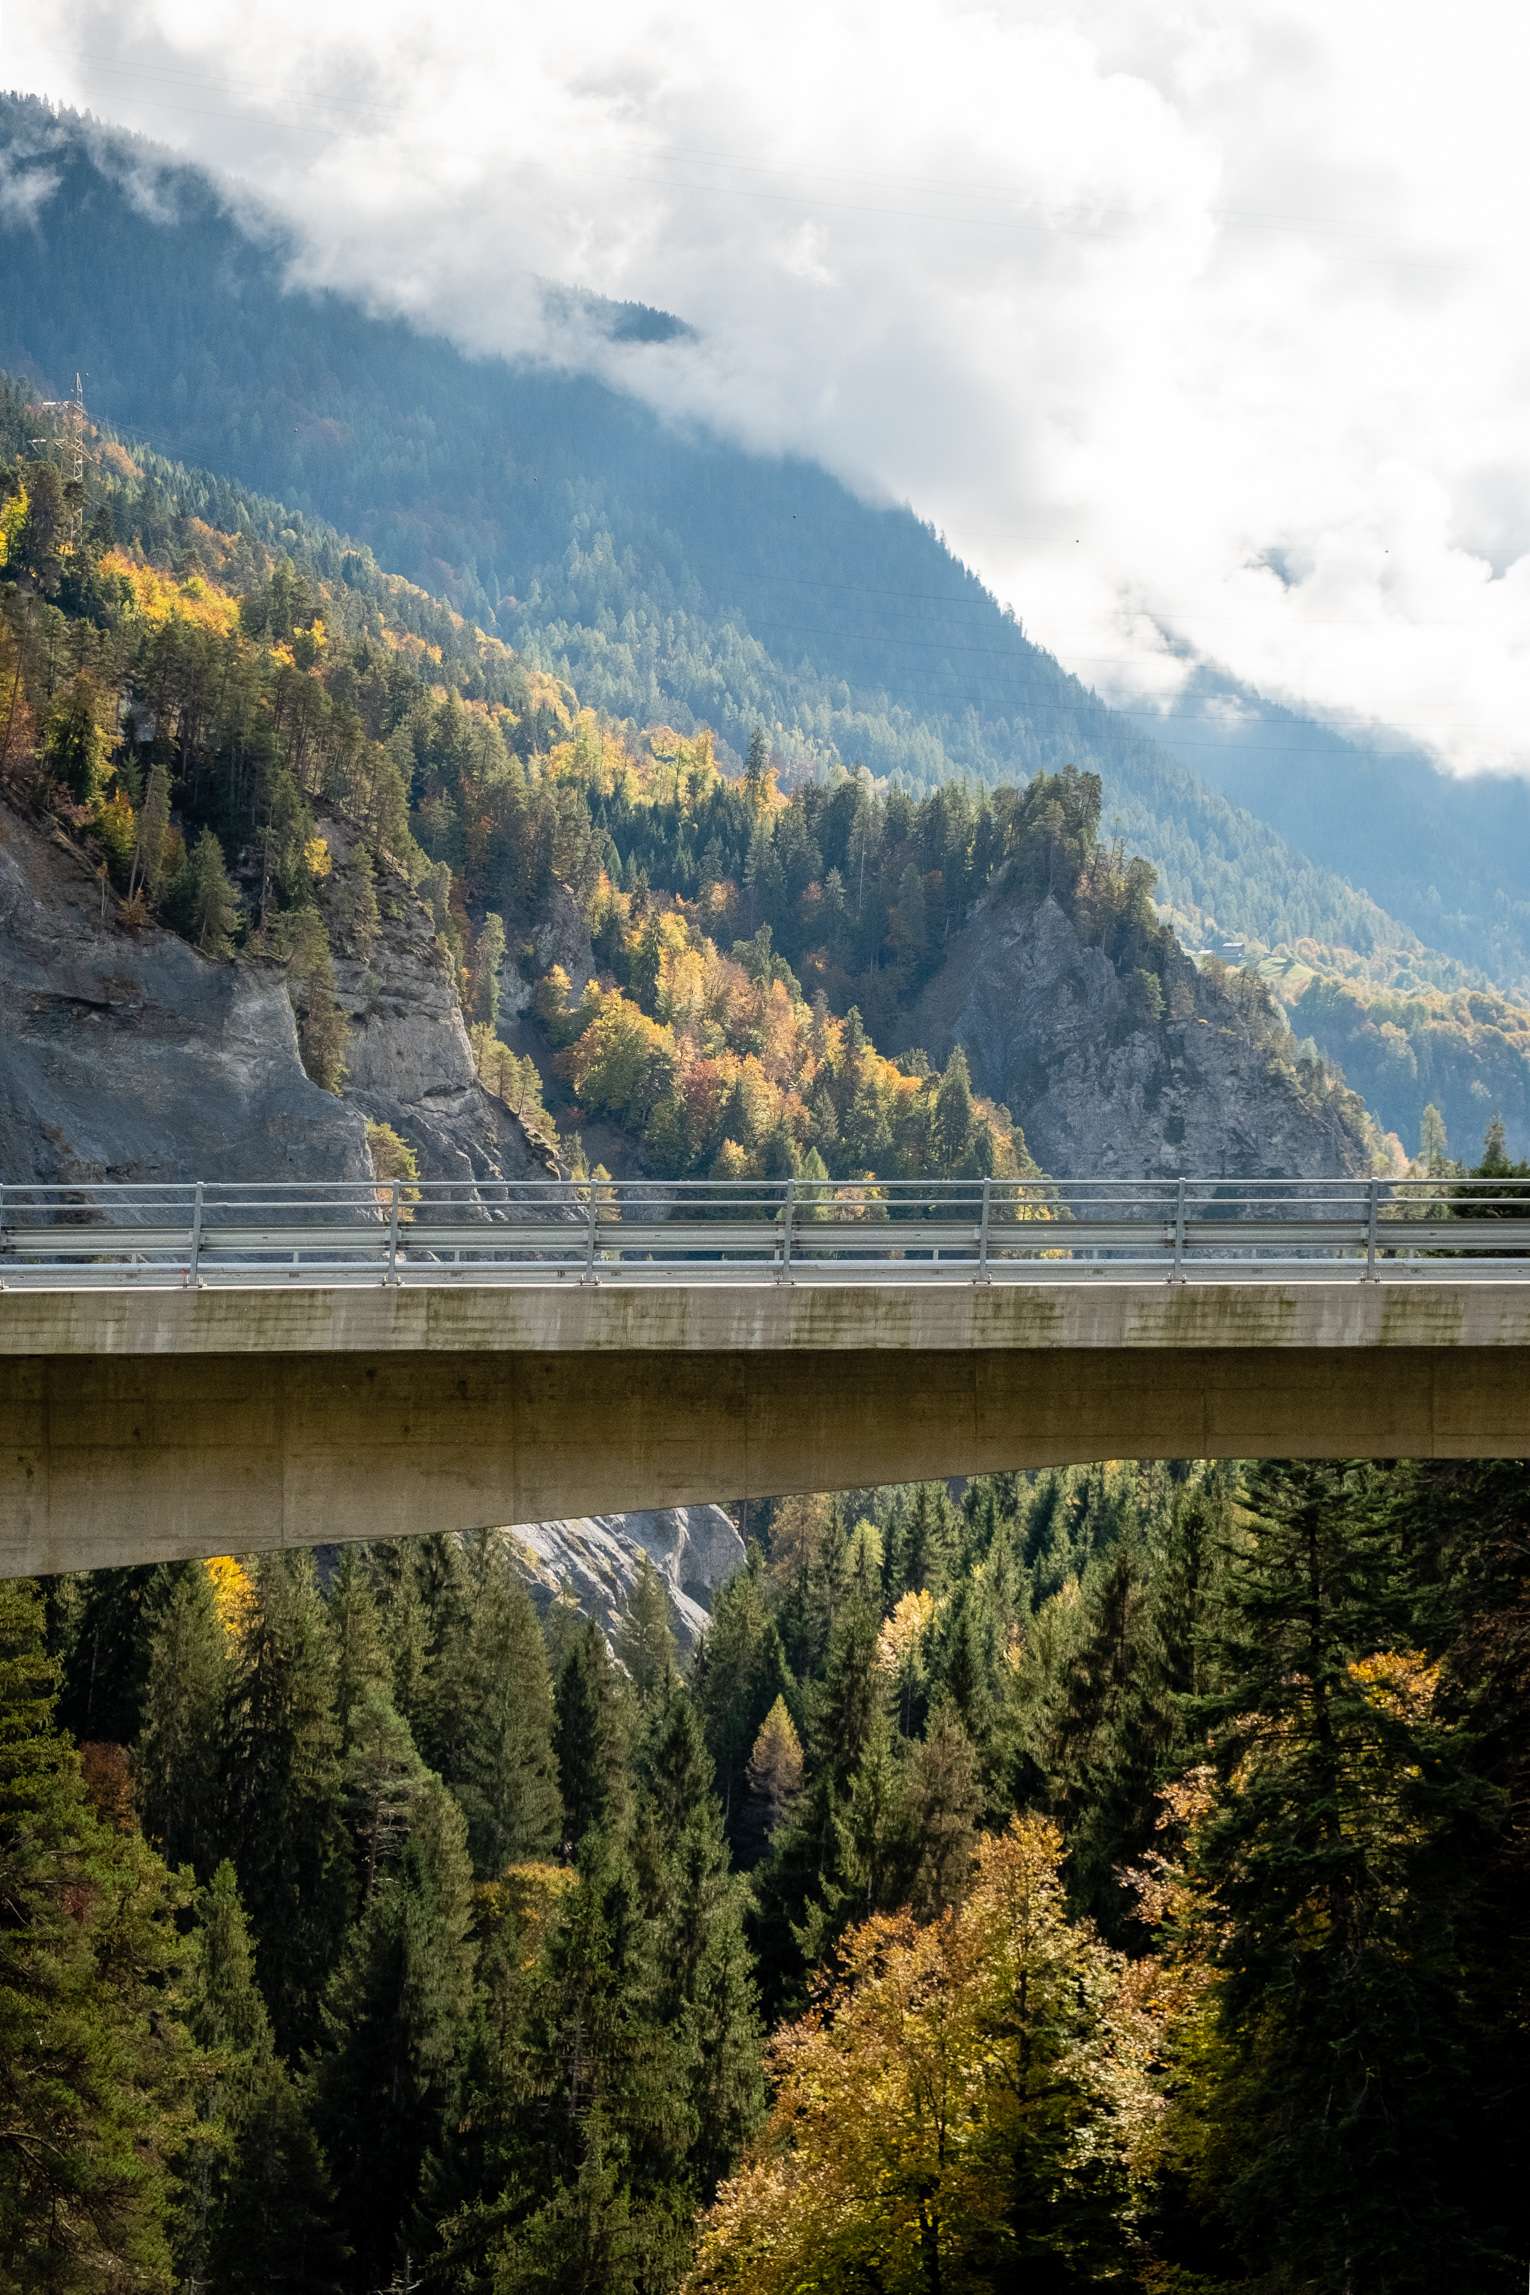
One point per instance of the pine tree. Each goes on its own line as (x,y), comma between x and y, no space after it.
(92,2057)
(589,1736)
(361,1657)
(1339,2071)
(931,1538)
(507,1779)
(107,1663)
(322,1027)
(943,1802)
(488,956)
(705,1995)
(255,2201)
(644,1642)
(382,1780)
(285,1794)
(604,2166)
(756,766)
(208,898)
(178,1760)
(153,841)
(740,1671)
(396,2027)
(955,1117)
(444,1579)
(74,745)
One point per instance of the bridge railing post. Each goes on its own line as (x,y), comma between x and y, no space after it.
(394,1190)
(984,1216)
(194,1261)
(1372,1207)
(589,1233)
(786,1231)
(2,1234)
(1177,1271)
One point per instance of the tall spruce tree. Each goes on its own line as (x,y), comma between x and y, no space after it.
(178,1760)
(256,2208)
(93,2060)
(604,2166)
(395,2040)
(590,1735)
(1332,1864)
(106,1664)
(288,1830)
(644,1642)
(706,1993)
(507,1779)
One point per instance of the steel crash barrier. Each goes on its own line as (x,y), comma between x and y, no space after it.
(207,1233)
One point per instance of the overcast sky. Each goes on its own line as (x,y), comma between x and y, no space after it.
(1189,324)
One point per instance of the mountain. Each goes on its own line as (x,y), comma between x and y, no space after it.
(668,574)
(1447,857)
(458,902)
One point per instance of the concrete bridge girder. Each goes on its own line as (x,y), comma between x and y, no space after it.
(136,1426)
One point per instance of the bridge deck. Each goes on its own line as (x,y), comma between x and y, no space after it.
(159,1399)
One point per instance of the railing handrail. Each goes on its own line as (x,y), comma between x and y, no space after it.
(92,1233)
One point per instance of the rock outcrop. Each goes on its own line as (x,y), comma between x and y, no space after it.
(409,1062)
(125,1055)
(594,1560)
(1052,1029)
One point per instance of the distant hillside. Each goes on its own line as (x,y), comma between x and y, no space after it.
(1449,858)
(668,575)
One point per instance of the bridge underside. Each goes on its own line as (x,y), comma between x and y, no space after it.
(113,1455)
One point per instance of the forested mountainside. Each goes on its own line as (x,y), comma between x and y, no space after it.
(669,576)
(1114,1879)
(496,919)
(1448,857)
(1464,1051)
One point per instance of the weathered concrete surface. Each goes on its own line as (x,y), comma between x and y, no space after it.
(765,1318)
(135,1426)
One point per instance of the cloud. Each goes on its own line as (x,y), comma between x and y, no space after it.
(1199,331)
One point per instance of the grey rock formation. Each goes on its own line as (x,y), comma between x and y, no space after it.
(125,1055)
(560,937)
(594,1560)
(409,1062)
(1051,1029)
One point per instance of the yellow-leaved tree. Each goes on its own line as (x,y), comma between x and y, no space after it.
(965,2104)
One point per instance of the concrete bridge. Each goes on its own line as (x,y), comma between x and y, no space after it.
(147,1422)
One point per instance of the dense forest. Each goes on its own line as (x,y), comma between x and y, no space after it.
(668,575)
(1103,1878)
(1464,1051)
(267,741)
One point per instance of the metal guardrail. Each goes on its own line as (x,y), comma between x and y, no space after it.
(443,1232)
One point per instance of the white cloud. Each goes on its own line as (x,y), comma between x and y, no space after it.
(1188,320)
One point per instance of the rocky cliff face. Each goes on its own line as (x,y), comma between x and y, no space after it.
(1052,1029)
(594,1560)
(409,1062)
(124,1055)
